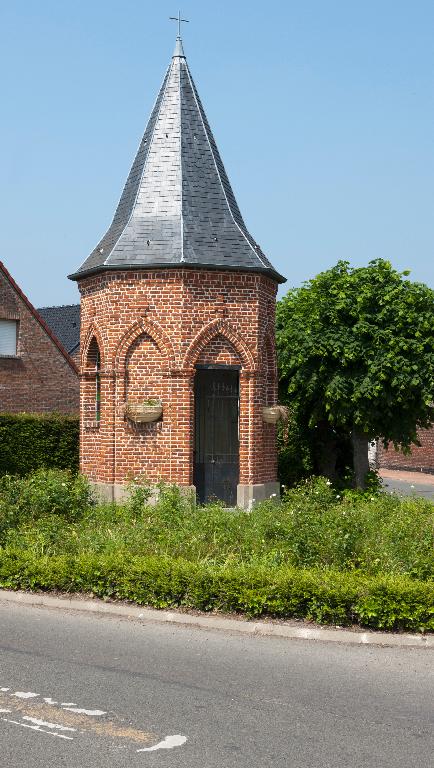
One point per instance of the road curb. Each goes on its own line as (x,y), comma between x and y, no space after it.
(211,622)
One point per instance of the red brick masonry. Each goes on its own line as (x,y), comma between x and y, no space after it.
(152,328)
(421,458)
(42,377)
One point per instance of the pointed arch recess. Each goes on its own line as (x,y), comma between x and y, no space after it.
(151,329)
(268,341)
(93,333)
(208,333)
(269,364)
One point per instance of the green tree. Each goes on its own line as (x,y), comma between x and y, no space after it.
(356,357)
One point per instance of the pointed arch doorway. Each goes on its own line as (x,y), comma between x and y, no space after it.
(216,443)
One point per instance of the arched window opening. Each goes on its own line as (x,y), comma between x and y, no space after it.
(98,388)
(93,363)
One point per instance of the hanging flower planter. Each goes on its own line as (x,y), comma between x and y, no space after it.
(271,414)
(144,413)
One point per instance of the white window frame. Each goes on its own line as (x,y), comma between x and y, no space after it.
(8,341)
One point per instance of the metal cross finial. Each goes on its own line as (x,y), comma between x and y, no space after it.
(179,20)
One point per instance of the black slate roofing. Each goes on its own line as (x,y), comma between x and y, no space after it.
(177,207)
(64,322)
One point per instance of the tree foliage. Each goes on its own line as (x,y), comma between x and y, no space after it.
(356,352)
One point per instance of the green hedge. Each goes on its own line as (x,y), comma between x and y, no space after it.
(31,441)
(380,602)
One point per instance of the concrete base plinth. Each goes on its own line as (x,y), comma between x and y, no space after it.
(119,492)
(110,491)
(247,495)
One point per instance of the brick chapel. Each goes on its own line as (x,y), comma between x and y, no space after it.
(178,318)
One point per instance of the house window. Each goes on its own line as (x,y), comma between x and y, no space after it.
(8,338)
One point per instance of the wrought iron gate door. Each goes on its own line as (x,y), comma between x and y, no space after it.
(216,456)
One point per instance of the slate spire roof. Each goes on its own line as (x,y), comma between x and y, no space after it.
(177,207)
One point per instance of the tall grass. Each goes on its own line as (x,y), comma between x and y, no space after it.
(54,513)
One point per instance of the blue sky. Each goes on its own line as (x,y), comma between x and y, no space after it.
(323,113)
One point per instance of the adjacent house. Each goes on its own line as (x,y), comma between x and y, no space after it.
(421,458)
(37,373)
(64,323)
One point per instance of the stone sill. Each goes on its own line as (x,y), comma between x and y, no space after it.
(9,357)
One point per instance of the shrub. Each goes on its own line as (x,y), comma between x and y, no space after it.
(45,493)
(31,441)
(380,602)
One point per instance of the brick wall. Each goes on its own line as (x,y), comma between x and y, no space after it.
(421,458)
(41,378)
(153,328)
(219,351)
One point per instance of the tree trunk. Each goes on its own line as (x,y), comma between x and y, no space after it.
(360,443)
(327,452)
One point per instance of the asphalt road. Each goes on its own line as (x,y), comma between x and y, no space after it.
(409,484)
(80,691)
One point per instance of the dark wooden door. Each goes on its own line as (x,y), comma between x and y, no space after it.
(216,455)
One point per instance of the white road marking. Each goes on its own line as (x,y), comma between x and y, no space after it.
(56,726)
(52,729)
(37,728)
(90,712)
(168,743)
(25,694)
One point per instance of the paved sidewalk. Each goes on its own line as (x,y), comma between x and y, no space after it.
(408,483)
